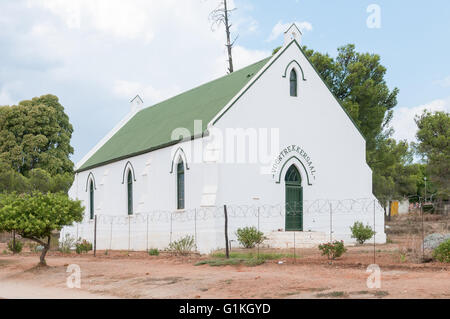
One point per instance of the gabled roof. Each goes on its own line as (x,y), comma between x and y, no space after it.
(151,128)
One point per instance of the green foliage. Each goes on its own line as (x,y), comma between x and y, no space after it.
(333,250)
(153,252)
(276,50)
(15,246)
(36,134)
(66,244)
(361,233)
(249,237)
(442,252)
(357,80)
(434,146)
(83,246)
(183,246)
(394,175)
(34,216)
(251,255)
(36,180)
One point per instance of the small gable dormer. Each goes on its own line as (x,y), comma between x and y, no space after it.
(136,104)
(293,33)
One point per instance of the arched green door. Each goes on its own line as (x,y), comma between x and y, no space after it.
(294,200)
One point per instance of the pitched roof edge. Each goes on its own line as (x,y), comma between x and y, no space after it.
(263,70)
(105,139)
(249,84)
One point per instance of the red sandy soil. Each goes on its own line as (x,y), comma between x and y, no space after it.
(138,275)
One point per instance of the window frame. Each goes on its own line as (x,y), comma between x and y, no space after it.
(91,200)
(130,193)
(293,83)
(181,193)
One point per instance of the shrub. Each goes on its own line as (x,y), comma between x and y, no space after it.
(17,248)
(83,246)
(183,246)
(153,252)
(333,250)
(66,244)
(442,252)
(249,237)
(361,233)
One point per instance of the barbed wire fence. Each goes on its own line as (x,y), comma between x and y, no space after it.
(214,228)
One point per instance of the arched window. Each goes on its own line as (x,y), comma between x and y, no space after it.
(91,199)
(130,192)
(293,81)
(180,185)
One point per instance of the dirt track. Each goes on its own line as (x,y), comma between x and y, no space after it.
(137,275)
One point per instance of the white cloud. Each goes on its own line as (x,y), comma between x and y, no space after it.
(96,55)
(5,98)
(444,82)
(403,122)
(281,27)
(150,95)
(244,57)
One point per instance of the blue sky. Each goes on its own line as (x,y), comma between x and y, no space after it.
(95,55)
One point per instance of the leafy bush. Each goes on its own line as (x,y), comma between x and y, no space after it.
(333,250)
(83,246)
(361,233)
(249,237)
(442,252)
(153,252)
(65,245)
(17,248)
(183,246)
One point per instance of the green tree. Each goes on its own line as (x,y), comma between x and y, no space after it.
(357,81)
(36,134)
(394,174)
(433,145)
(37,180)
(34,216)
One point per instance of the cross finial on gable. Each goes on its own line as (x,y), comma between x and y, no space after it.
(292,33)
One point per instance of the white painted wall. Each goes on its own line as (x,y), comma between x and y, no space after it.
(314,121)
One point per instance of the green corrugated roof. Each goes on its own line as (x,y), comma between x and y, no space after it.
(152,127)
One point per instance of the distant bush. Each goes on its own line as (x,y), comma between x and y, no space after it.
(183,246)
(66,244)
(442,252)
(333,250)
(15,247)
(249,237)
(361,233)
(83,246)
(153,252)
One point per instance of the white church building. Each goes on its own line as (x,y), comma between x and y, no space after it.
(270,141)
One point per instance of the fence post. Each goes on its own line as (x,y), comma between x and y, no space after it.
(423,231)
(331,222)
(147,231)
(14,241)
(258,231)
(227,251)
(375,233)
(77,232)
(110,234)
(95,236)
(171,214)
(295,256)
(195,227)
(129,232)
